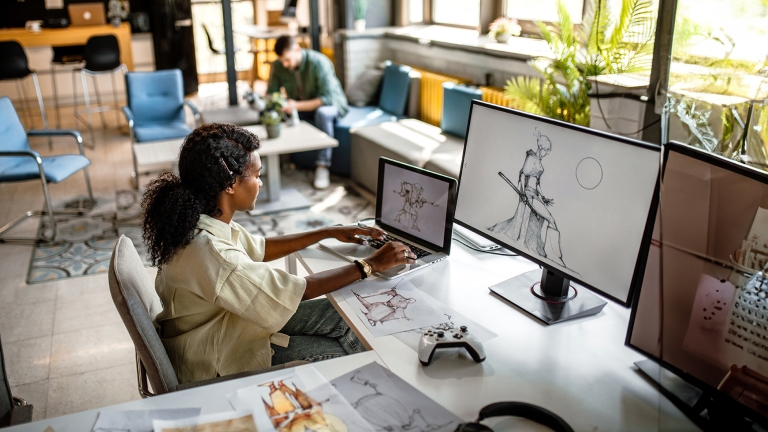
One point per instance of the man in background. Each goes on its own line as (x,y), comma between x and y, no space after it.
(309,81)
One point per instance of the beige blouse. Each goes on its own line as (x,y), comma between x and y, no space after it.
(222,304)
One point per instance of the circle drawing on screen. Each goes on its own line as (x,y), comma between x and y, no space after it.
(589,173)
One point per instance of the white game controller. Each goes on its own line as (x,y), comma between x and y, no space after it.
(432,340)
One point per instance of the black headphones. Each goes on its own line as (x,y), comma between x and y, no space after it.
(516,409)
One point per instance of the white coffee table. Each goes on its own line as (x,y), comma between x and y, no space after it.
(292,139)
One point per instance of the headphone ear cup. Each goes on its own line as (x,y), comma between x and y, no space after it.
(472,427)
(527,411)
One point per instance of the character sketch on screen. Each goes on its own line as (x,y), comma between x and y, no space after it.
(409,214)
(381,312)
(532,221)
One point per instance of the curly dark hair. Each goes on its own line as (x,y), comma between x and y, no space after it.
(212,158)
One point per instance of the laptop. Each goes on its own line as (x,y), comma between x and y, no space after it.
(413,206)
(86,14)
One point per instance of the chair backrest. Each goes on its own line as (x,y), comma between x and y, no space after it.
(12,134)
(394,88)
(102,53)
(210,40)
(155,97)
(138,305)
(6,400)
(13,61)
(457,99)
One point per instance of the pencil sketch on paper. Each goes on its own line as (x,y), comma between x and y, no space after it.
(386,413)
(533,223)
(413,201)
(383,311)
(293,410)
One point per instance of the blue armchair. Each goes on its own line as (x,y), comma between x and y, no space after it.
(155,110)
(18,162)
(393,103)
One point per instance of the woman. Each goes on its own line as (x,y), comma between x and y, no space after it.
(222,305)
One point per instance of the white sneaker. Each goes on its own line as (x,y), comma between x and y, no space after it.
(322,178)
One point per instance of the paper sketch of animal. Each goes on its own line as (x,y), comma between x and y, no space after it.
(292,410)
(386,413)
(383,311)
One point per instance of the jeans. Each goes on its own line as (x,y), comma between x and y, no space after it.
(322,118)
(317,333)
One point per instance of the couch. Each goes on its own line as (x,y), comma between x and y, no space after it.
(400,90)
(438,149)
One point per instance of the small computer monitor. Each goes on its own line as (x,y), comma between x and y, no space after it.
(576,201)
(702,309)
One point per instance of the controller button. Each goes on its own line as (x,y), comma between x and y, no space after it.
(463,328)
(457,336)
(440,334)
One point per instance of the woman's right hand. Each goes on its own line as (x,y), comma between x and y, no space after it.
(390,255)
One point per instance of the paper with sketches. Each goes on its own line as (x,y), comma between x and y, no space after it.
(390,404)
(392,306)
(453,320)
(232,421)
(299,401)
(138,420)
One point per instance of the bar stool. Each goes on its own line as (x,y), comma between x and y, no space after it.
(102,56)
(14,66)
(70,58)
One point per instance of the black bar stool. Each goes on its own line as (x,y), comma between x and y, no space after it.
(70,58)
(101,56)
(14,66)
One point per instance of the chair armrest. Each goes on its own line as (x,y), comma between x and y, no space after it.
(21,414)
(128,113)
(195,112)
(190,385)
(30,153)
(59,132)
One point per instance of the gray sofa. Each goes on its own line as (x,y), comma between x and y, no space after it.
(415,142)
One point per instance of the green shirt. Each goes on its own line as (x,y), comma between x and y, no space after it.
(315,78)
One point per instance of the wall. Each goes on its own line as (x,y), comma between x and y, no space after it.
(361,53)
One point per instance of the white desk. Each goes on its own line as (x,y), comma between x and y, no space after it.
(580,370)
(212,399)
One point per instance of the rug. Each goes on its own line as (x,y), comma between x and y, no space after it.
(83,244)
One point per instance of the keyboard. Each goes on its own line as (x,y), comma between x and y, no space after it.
(377,244)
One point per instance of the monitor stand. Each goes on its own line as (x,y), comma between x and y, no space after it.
(549,297)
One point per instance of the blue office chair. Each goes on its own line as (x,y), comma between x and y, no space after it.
(18,162)
(155,110)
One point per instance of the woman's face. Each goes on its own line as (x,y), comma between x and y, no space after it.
(247,186)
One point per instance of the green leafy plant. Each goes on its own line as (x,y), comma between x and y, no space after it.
(360,8)
(273,112)
(600,46)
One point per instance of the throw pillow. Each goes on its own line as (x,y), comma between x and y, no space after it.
(365,87)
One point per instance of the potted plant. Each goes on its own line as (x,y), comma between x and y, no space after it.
(272,116)
(358,12)
(503,28)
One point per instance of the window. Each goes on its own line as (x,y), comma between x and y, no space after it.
(543,10)
(415,11)
(465,13)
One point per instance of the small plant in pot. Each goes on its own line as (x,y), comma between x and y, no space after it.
(272,116)
(503,28)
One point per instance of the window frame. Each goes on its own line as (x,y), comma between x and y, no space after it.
(429,14)
(529,27)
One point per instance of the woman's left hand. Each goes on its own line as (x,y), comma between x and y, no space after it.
(355,234)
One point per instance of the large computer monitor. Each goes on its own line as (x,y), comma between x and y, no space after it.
(702,310)
(574,200)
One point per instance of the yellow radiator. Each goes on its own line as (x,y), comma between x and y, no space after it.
(495,95)
(432,94)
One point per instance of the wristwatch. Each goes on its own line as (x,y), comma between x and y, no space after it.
(365,268)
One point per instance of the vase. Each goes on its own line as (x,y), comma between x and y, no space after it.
(274,131)
(359,25)
(502,37)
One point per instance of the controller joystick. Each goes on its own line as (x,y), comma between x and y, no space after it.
(456,338)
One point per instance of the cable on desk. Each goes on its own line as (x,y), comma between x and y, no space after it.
(492,252)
